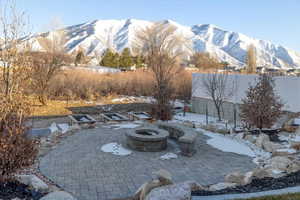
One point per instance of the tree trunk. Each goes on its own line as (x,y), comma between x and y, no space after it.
(43,99)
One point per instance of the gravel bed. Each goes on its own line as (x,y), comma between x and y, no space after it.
(258,185)
(14,189)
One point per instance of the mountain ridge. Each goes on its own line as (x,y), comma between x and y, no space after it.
(228,46)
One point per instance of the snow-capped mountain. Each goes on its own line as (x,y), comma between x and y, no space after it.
(95,37)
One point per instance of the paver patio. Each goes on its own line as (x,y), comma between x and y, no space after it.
(79,166)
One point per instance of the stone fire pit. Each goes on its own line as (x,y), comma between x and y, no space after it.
(147,138)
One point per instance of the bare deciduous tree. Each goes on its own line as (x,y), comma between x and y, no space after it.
(262,107)
(218,88)
(48,63)
(163,50)
(14,62)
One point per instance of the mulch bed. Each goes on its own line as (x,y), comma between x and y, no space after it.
(257,185)
(14,189)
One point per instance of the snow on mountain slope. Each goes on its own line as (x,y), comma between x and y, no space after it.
(95,37)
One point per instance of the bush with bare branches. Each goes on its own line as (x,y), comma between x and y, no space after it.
(205,61)
(218,88)
(163,51)
(262,107)
(17,151)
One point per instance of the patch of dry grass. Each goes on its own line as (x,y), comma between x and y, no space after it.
(60,107)
(57,107)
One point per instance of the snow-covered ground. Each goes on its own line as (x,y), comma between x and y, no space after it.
(132,99)
(193,117)
(95,69)
(292,138)
(233,144)
(144,99)
(226,143)
(199,120)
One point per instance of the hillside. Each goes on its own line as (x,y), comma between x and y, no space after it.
(96,36)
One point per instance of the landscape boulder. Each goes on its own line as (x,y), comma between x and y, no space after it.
(221,186)
(250,138)
(163,178)
(280,163)
(180,191)
(248,178)
(261,173)
(235,177)
(58,195)
(194,186)
(261,139)
(294,167)
(270,146)
(240,136)
(34,182)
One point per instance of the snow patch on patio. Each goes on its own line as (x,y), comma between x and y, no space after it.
(115,149)
(168,156)
(225,144)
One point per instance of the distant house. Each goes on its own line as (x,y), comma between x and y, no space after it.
(260,69)
(96,69)
(287,87)
(230,68)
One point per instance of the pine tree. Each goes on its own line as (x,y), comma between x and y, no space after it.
(79,58)
(262,107)
(126,58)
(116,60)
(110,59)
(138,61)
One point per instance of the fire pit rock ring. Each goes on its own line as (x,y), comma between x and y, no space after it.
(147,138)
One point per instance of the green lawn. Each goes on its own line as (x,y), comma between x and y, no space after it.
(295,196)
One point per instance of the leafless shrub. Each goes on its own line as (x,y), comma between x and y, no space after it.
(218,88)
(205,61)
(17,151)
(14,63)
(262,107)
(47,64)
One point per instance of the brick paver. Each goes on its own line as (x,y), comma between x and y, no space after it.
(79,166)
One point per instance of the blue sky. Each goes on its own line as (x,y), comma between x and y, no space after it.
(274,20)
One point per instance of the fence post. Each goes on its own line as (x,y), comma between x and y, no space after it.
(206,113)
(234,115)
